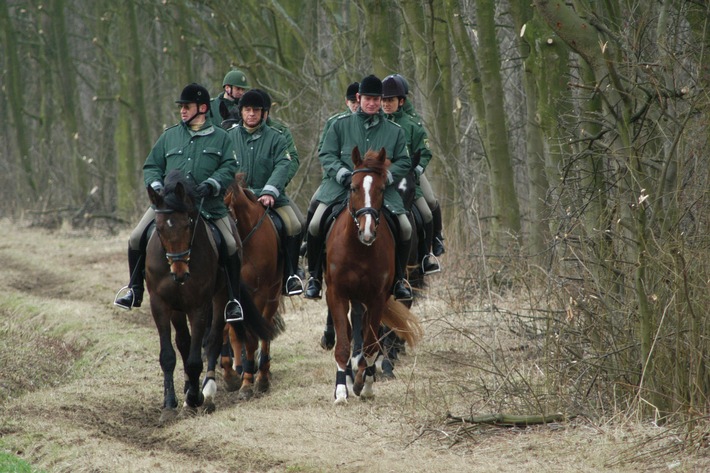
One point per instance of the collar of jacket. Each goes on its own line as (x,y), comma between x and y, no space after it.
(371,120)
(207,129)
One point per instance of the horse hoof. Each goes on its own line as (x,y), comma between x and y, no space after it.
(262,386)
(209,406)
(232,383)
(245,394)
(167,415)
(340,401)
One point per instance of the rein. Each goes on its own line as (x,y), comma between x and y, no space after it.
(255,227)
(355,214)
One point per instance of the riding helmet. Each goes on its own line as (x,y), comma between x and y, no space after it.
(371,85)
(252,98)
(352,90)
(267,99)
(194,93)
(391,87)
(405,84)
(235,78)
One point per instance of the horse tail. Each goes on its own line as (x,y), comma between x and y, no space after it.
(254,323)
(278,323)
(404,323)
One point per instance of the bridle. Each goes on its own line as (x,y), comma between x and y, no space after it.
(355,214)
(182,256)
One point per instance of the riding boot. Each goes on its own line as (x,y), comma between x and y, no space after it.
(438,240)
(402,289)
(136,267)
(233,309)
(293,284)
(315,266)
(430,264)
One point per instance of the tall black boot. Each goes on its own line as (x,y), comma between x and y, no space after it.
(293,285)
(315,266)
(438,240)
(402,289)
(136,267)
(233,309)
(429,262)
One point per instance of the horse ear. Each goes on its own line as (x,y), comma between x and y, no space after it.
(357,159)
(180,191)
(155,198)
(382,155)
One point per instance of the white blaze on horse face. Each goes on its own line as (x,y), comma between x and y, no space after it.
(170,223)
(367,188)
(402,187)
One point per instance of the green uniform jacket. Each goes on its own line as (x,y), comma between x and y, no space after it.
(417,140)
(328,123)
(290,146)
(367,132)
(213,116)
(264,158)
(204,155)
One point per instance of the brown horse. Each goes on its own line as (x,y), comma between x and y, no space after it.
(360,269)
(188,286)
(262,272)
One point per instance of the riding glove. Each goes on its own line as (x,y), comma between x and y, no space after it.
(204,190)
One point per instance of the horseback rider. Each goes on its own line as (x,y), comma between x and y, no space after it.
(393,98)
(438,240)
(367,129)
(205,154)
(262,154)
(233,87)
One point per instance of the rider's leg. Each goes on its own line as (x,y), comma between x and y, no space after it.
(429,263)
(233,268)
(438,238)
(136,263)
(293,284)
(402,288)
(316,242)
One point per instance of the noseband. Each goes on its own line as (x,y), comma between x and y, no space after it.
(183,256)
(355,214)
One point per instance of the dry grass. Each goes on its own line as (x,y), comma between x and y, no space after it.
(81,388)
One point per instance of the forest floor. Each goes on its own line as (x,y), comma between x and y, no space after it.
(81,389)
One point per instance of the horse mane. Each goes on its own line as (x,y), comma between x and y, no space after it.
(173,198)
(371,162)
(240,180)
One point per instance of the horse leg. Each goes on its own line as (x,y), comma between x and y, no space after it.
(263,376)
(231,351)
(246,391)
(370,351)
(212,342)
(168,360)
(191,350)
(343,333)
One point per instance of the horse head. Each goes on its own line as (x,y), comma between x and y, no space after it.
(367,192)
(175,216)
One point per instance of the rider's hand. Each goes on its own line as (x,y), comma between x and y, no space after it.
(266,200)
(347,180)
(204,190)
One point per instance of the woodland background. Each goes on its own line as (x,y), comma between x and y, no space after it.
(570,144)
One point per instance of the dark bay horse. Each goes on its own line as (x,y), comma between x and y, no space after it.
(187,288)
(262,271)
(360,269)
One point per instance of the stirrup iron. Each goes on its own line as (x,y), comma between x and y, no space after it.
(121,306)
(438,264)
(228,319)
(294,292)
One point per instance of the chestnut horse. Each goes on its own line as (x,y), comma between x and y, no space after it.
(262,273)
(187,286)
(360,269)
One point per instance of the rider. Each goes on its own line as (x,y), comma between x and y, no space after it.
(233,87)
(206,155)
(367,129)
(437,222)
(393,97)
(262,154)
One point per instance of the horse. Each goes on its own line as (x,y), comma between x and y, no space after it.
(360,270)
(262,271)
(187,286)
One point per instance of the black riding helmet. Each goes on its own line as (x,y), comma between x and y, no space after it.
(371,85)
(351,91)
(267,99)
(392,87)
(194,93)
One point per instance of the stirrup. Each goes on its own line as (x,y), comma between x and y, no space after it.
(296,291)
(228,319)
(409,286)
(121,306)
(436,261)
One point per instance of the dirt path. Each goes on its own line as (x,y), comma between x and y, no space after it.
(80,389)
